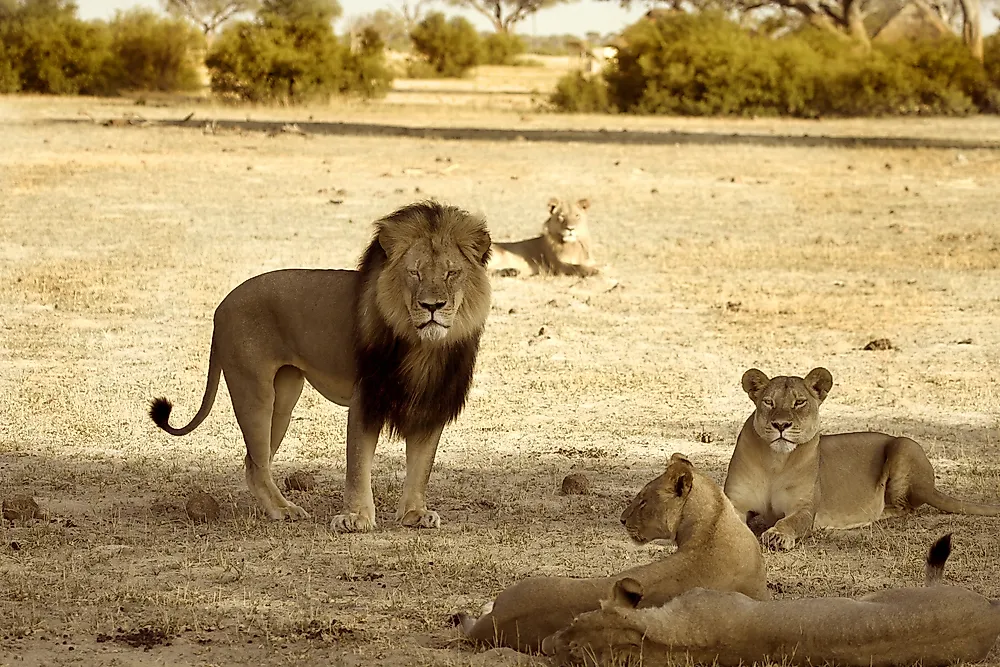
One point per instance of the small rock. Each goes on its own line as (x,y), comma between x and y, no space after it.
(880,344)
(201,507)
(300,481)
(575,484)
(21,508)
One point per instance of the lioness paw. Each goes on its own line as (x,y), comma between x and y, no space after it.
(290,511)
(421,519)
(774,539)
(352,522)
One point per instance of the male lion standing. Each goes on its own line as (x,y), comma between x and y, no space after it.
(395,341)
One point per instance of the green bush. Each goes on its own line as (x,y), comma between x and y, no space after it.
(47,49)
(451,47)
(704,64)
(502,48)
(578,93)
(274,59)
(153,53)
(991,59)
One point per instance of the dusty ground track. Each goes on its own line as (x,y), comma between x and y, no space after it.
(116,244)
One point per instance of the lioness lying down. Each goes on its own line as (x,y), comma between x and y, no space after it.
(714,550)
(933,625)
(793,479)
(563,249)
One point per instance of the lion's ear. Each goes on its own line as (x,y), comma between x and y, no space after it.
(754,382)
(626,593)
(477,244)
(819,382)
(553,205)
(583,203)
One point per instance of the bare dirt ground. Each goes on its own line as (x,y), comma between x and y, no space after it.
(116,244)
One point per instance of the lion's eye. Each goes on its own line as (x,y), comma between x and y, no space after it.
(768,402)
(799,402)
(452,273)
(414,274)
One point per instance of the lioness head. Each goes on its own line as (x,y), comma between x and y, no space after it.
(787,413)
(603,636)
(656,511)
(567,221)
(433,284)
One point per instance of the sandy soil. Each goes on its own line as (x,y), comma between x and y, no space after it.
(116,244)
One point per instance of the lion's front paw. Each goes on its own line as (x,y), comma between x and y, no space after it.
(421,519)
(353,522)
(773,538)
(290,511)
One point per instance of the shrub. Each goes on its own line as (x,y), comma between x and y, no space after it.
(450,47)
(502,48)
(991,59)
(47,49)
(154,53)
(274,59)
(578,93)
(704,64)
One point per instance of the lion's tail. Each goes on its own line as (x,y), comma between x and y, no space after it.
(159,408)
(946,503)
(936,557)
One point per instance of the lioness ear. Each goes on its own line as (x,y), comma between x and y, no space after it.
(627,593)
(677,456)
(682,487)
(583,203)
(754,382)
(553,205)
(819,382)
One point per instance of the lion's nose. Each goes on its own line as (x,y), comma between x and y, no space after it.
(781,427)
(432,306)
(623,519)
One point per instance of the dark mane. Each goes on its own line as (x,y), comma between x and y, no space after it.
(390,398)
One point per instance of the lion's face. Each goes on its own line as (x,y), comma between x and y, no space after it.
(567,221)
(655,512)
(433,286)
(600,637)
(787,408)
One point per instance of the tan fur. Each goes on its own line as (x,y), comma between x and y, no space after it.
(562,249)
(933,625)
(714,550)
(793,479)
(279,329)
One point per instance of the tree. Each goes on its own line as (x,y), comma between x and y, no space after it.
(301,11)
(450,47)
(209,15)
(505,14)
(391,26)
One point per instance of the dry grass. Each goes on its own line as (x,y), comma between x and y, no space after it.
(116,245)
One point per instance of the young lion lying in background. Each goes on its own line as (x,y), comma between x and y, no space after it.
(563,249)
(933,625)
(715,550)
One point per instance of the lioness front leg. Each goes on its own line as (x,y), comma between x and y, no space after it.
(412,511)
(359,503)
(783,534)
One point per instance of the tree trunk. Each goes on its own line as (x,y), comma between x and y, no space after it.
(856,23)
(972,29)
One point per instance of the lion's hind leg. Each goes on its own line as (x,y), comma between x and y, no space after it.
(254,402)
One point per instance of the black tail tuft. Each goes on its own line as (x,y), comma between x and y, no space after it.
(939,552)
(159,411)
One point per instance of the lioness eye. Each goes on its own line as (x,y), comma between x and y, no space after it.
(799,402)
(768,402)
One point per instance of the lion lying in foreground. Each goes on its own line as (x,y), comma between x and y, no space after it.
(793,479)
(934,625)
(563,249)
(395,341)
(714,550)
